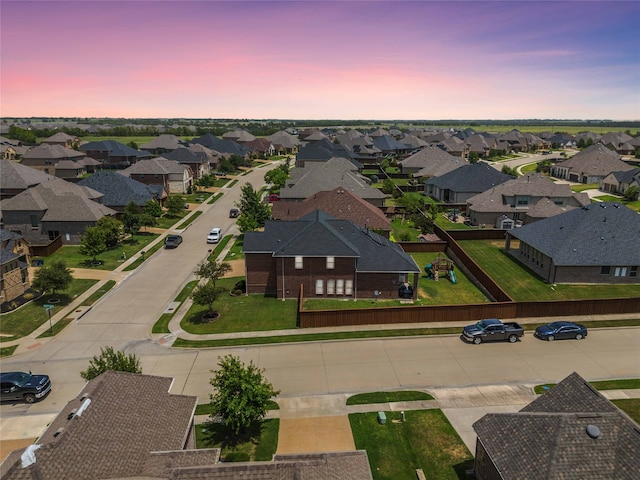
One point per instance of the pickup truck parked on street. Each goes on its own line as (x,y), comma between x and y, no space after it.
(492,329)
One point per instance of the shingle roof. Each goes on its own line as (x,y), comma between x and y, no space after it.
(433,161)
(155,166)
(596,160)
(549,439)
(222,146)
(118,189)
(164,141)
(387,143)
(320,235)
(338,203)
(604,233)
(52,152)
(114,149)
(126,417)
(14,175)
(476,177)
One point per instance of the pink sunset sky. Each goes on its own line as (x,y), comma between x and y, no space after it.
(321,59)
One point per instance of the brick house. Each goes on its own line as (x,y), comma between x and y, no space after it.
(14,263)
(572,431)
(597,243)
(591,165)
(330,258)
(173,176)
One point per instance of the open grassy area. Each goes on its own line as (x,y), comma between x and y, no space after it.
(522,285)
(403,231)
(630,406)
(583,187)
(235,252)
(425,440)
(29,317)
(95,296)
(238,314)
(257,445)
(110,260)
(385,397)
(7,351)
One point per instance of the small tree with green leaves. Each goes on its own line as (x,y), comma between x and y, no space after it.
(205,295)
(212,270)
(109,359)
(153,208)
(509,171)
(631,194)
(241,394)
(474,157)
(113,230)
(174,204)
(52,277)
(93,243)
(131,224)
(147,220)
(277,177)
(254,212)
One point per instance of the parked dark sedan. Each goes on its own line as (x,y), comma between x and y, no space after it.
(172,241)
(561,331)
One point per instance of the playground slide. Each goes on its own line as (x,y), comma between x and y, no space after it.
(452,276)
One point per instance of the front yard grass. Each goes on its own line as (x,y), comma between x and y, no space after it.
(238,314)
(385,397)
(584,186)
(426,440)
(257,445)
(235,252)
(630,406)
(29,317)
(523,285)
(111,259)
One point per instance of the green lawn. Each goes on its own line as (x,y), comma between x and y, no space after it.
(162,324)
(257,445)
(385,397)
(583,187)
(238,314)
(630,406)
(522,285)
(235,252)
(110,259)
(30,316)
(94,297)
(623,384)
(403,231)
(425,440)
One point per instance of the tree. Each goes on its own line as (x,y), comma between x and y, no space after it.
(113,230)
(93,243)
(131,208)
(241,394)
(423,222)
(388,187)
(509,171)
(175,204)
(411,203)
(153,208)
(131,224)
(147,220)
(212,270)
(277,177)
(474,157)
(254,211)
(631,194)
(109,359)
(52,277)
(205,295)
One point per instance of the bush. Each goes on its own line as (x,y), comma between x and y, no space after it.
(237,457)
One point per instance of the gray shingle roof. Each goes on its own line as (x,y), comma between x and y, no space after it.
(53,152)
(14,175)
(320,235)
(476,177)
(118,189)
(155,166)
(596,160)
(604,233)
(433,161)
(114,149)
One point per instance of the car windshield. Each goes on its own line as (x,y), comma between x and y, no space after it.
(481,325)
(555,325)
(23,378)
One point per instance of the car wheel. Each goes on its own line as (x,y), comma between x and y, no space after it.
(513,338)
(30,398)
(477,340)
(579,336)
(551,338)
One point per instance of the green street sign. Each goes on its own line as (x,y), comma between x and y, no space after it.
(48,306)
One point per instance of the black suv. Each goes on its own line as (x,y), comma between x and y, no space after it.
(23,386)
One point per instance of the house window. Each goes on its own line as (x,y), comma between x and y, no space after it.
(53,234)
(605,270)
(331,263)
(348,290)
(522,200)
(331,287)
(319,287)
(403,278)
(298,263)
(34,221)
(339,287)
(558,201)
(633,271)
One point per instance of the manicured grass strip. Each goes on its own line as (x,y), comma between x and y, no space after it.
(426,440)
(583,187)
(624,384)
(162,324)
(140,259)
(214,198)
(219,247)
(95,296)
(205,408)
(630,406)
(235,252)
(188,221)
(385,397)
(57,328)
(29,317)
(320,337)
(7,351)
(257,445)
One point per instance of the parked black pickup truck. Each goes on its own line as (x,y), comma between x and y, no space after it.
(492,329)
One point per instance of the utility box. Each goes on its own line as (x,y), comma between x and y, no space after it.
(382,418)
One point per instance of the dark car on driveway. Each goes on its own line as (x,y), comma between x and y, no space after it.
(23,386)
(561,331)
(172,241)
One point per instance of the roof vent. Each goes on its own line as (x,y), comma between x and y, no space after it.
(72,413)
(58,432)
(593,431)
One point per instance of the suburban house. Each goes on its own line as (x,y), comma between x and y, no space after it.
(174,177)
(618,141)
(17,178)
(225,146)
(618,182)
(431,162)
(239,136)
(460,184)
(63,139)
(114,154)
(390,146)
(338,203)
(14,265)
(320,152)
(284,143)
(120,190)
(261,146)
(591,165)
(572,431)
(597,243)
(196,160)
(45,157)
(129,426)
(12,149)
(516,202)
(52,209)
(163,144)
(336,172)
(70,169)
(329,258)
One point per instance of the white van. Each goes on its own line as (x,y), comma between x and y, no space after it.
(214,235)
